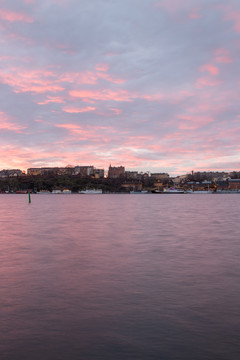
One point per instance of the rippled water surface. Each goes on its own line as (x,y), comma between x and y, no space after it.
(125,277)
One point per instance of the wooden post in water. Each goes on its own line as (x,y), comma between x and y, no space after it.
(29,197)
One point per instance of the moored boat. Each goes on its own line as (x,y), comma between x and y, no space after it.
(91,191)
(23,191)
(199,191)
(172,191)
(139,192)
(66,191)
(56,191)
(156,191)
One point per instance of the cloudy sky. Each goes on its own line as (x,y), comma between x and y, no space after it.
(149,84)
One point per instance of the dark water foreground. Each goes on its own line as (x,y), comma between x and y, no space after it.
(120,277)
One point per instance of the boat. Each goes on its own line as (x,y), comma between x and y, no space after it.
(156,191)
(91,191)
(227,192)
(172,191)
(23,191)
(199,192)
(56,191)
(139,192)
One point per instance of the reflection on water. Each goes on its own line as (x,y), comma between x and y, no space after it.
(119,277)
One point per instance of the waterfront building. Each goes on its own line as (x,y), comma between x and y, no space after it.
(11,173)
(98,173)
(234,184)
(160,176)
(68,170)
(83,170)
(131,175)
(34,171)
(179,180)
(116,171)
(221,185)
(43,171)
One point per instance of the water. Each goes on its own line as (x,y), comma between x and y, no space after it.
(125,277)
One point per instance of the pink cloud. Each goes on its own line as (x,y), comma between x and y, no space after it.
(87,77)
(231,133)
(206,82)
(104,95)
(73,110)
(14,16)
(110,78)
(102,67)
(96,134)
(206,105)
(74,129)
(68,126)
(35,81)
(116,111)
(222,56)
(87,127)
(170,97)
(175,136)
(5,124)
(157,147)
(213,70)
(155,97)
(40,89)
(90,77)
(193,122)
(51,99)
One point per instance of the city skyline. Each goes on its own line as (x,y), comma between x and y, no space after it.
(149,84)
(89,170)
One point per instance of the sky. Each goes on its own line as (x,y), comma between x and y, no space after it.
(152,85)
